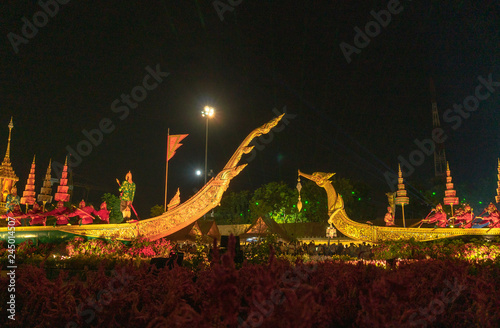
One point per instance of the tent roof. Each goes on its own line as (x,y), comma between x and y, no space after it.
(262,226)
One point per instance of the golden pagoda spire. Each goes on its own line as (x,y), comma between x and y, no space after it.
(7,153)
(401,197)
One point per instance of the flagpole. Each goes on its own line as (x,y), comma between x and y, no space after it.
(166,169)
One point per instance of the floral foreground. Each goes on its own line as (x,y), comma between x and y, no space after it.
(408,293)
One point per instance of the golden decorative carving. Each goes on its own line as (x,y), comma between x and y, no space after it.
(180,216)
(374,234)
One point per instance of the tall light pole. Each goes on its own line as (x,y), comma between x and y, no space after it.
(207,112)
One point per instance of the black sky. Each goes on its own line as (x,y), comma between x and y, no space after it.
(351,118)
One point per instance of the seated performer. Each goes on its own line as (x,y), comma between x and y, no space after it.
(492,220)
(103,213)
(439,218)
(468,217)
(16,214)
(60,213)
(36,216)
(84,212)
(459,216)
(36,209)
(389,217)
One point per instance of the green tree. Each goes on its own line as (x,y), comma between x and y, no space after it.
(157,210)
(314,202)
(276,200)
(113,205)
(234,208)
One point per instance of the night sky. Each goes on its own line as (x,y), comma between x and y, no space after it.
(353,118)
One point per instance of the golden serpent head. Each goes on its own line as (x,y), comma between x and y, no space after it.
(321,178)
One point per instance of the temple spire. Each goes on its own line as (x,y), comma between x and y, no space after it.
(7,153)
(7,175)
(439,151)
(401,197)
(450,194)
(29,191)
(46,191)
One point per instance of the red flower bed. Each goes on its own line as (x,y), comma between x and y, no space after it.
(423,293)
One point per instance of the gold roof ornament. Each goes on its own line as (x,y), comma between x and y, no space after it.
(6,170)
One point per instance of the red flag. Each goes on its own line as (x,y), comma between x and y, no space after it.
(173,144)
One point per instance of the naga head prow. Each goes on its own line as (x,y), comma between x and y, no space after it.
(321,178)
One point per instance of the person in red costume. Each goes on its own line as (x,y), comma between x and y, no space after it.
(389,217)
(36,209)
(36,216)
(468,217)
(493,217)
(439,218)
(60,213)
(17,214)
(60,209)
(84,212)
(103,212)
(459,216)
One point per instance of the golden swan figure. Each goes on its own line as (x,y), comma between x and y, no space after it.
(375,234)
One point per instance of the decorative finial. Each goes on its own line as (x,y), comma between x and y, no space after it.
(66,161)
(447,166)
(299,188)
(34,159)
(7,153)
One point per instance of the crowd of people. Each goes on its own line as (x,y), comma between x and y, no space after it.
(296,248)
(362,250)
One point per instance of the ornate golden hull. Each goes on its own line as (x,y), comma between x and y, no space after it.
(169,222)
(375,234)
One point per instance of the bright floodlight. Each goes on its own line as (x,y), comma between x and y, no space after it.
(198,172)
(208,111)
